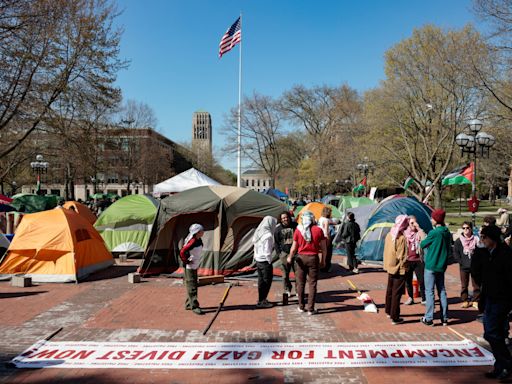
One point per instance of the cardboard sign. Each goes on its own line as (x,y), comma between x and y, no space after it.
(69,354)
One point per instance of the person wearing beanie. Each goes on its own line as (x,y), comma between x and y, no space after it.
(437,246)
(494,275)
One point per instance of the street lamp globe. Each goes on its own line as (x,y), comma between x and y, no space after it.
(483,139)
(462,140)
(475,125)
(471,142)
(39,157)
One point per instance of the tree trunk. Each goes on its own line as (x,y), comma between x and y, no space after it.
(492,195)
(438,201)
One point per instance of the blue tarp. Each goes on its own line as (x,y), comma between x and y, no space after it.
(276,193)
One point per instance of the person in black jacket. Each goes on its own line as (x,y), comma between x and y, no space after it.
(463,251)
(493,273)
(351,233)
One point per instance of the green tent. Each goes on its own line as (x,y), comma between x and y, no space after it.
(229,216)
(126,225)
(347,202)
(35,203)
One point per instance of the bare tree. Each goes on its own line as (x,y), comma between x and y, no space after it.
(47,46)
(260,130)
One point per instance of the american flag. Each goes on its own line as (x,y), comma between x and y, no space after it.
(232,36)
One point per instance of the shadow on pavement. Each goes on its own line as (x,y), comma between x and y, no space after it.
(112,272)
(9,295)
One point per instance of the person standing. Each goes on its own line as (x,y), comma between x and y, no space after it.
(263,241)
(308,243)
(283,244)
(325,223)
(414,235)
(437,245)
(395,264)
(503,220)
(351,234)
(190,255)
(463,251)
(494,275)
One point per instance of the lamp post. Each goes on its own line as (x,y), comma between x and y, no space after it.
(364,168)
(475,143)
(39,167)
(14,187)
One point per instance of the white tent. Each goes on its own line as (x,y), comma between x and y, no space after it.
(189,179)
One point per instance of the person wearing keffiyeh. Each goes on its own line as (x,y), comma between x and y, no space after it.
(190,255)
(463,251)
(263,241)
(308,242)
(395,264)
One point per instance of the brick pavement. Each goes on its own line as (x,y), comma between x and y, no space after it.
(108,308)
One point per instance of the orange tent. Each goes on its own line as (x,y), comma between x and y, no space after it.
(55,246)
(314,207)
(82,210)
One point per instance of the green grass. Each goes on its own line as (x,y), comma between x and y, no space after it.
(452,207)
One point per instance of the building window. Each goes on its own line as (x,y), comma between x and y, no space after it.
(258,183)
(252,182)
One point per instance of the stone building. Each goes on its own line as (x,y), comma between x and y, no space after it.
(202,135)
(256,180)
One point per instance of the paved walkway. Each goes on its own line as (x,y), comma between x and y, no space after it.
(108,308)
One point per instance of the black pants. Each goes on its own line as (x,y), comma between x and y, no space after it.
(465,276)
(264,279)
(351,255)
(287,268)
(394,291)
(418,267)
(495,315)
(328,257)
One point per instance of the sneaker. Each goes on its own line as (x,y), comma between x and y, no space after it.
(355,270)
(444,322)
(466,304)
(410,301)
(198,311)
(423,302)
(288,292)
(301,309)
(389,317)
(474,304)
(424,321)
(313,312)
(397,321)
(264,304)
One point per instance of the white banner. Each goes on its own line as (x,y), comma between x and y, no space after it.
(69,354)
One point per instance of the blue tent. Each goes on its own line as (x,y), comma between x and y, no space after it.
(382,218)
(276,193)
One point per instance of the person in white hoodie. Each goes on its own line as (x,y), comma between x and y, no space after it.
(263,241)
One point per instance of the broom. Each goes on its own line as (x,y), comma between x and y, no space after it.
(369,304)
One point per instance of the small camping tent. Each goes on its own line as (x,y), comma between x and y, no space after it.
(229,216)
(82,210)
(347,202)
(332,200)
(317,209)
(189,179)
(126,225)
(382,219)
(55,246)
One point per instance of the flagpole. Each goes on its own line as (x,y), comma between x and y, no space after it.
(239,144)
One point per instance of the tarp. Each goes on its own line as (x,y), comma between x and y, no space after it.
(35,203)
(55,246)
(6,208)
(81,209)
(5,199)
(276,193)
(229,216)
(381,220)
(126,225)
(189,179)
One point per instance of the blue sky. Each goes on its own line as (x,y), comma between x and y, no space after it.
(173,49)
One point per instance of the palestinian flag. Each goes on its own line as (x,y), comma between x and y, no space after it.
(460,176)
(361,186)
(408,182)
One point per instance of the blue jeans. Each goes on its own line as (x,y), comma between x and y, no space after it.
(435,279)
(495,315)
